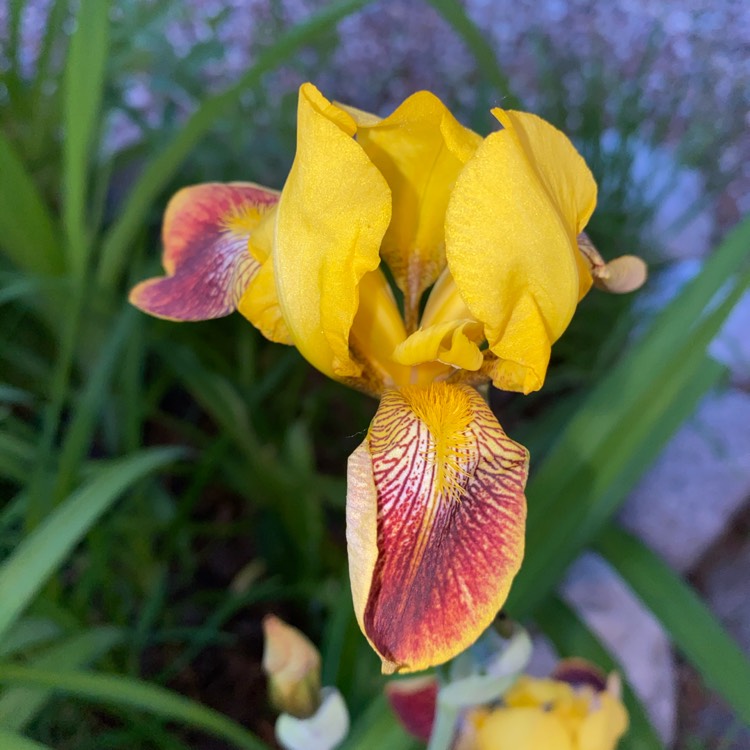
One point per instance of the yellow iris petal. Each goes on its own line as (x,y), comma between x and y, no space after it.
(260,303)
(604,726)
(511,228)
(333,212)
(420,149)
(452,343)
(377,330)
(520,729)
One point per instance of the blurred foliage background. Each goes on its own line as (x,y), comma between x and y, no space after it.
(163,486)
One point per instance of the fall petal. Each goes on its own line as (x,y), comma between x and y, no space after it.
(333,212)
(206,235)
(435,519)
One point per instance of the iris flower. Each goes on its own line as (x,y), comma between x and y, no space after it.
(578,708)
(376,213)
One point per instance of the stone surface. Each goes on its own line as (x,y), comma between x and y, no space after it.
(630,632)
(732,345)
(699,482)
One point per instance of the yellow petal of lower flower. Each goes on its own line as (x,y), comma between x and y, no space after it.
(511,228)
(333,212)
(420,149)
(604,725)
(206,234)
(435,519)
(452,343)
(521,729)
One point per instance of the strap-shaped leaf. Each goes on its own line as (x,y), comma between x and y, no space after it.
(125,691)
(19,705)
(693,628)
(83,91)
(24,573)
(19,742)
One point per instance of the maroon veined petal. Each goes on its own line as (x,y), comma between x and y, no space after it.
(414,701)
(206,234)
(435,523)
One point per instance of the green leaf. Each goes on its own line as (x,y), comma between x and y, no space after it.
(15,741)
(124,691)
(158,173)
(83,90)
(571,637)
(89,407)
(24,573)
(28,633)
(16,457)
(623,424)
(19,706)
(693,629)
(27,232)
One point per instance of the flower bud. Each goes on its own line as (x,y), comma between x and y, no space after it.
(414,701)
(292,664)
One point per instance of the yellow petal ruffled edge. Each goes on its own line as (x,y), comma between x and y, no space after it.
(333,212)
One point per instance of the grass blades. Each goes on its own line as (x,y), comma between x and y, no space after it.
(92,402)
(84,88)
(160,170)
(27,231)
(26,633)
(20,705)
(693,629)
(24,573)
(127,692)
(15,741)
(571,637)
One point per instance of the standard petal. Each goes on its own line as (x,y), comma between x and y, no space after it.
(435,520)
(420,149)
(333,212)
(206,234)
(511,228)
